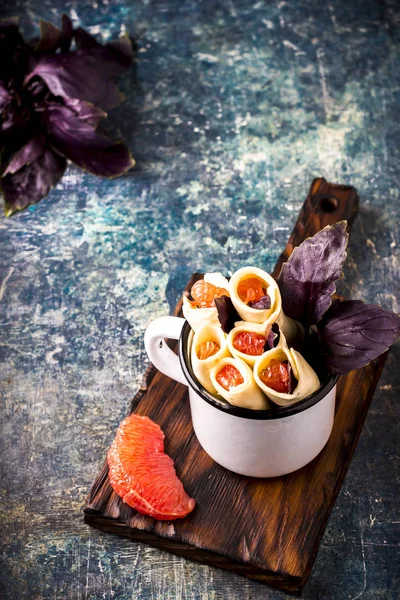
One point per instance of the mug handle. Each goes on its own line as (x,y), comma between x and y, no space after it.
(162,357)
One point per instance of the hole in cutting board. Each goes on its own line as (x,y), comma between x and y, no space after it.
(328,204)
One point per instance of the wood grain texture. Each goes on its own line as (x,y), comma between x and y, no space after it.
(267,530)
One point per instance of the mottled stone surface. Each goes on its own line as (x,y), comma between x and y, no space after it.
(232,109)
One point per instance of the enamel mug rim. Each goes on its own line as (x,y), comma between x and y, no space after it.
(278,412)
(178,367)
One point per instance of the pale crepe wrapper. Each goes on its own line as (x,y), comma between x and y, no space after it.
(209,332)
(251,327)
(246,394)
(307,380)
(266,316)
(199,316)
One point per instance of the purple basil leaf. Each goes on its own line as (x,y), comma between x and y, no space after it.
(273,337)
(292,379)
(353,333)
(5,98)
(307,280)
(77,75)
(66,33)
(263,303)
(124,48)
(227,314)
(84,40)
(37,90)
(10,43)
(25,155)
(49,37)
(16,56)
(115,56)
(52,38)
(10,37)
(13,115)
(33,182)
(85,111)
(86,74)
(86,147)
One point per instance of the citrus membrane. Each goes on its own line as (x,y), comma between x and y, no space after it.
(142,474)
(229,376)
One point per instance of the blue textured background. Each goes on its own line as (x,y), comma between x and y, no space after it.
(232,108)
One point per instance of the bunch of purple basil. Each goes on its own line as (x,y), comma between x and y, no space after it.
(52,100)
(339,335)
(349,334)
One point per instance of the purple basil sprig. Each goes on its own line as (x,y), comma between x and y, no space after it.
(308,279)
(351,334)
(52,100)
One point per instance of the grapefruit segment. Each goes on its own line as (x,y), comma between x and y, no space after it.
(206,349)
(251,290)
(249,342)
(142,474)
(279,377)
(229,376)
(204,294)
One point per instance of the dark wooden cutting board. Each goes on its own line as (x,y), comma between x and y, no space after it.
(265,529)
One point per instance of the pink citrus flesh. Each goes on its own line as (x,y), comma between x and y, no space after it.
(204,294)
(206,349)
(249,342)
(276,376)
(229,376)
(142,474)
(251,289)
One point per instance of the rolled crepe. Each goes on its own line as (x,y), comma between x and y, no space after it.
(209,332)
(199,316)
(266,316)
(307,380)
(241,326)
(246,394)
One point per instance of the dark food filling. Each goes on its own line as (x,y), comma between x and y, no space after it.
(262,304)
(227,314)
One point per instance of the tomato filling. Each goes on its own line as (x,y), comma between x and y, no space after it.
(229,376)
(204,293)
(249,342)
(279,377)
(251,290)
(206,349)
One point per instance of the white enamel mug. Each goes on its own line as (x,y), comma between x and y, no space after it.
(257,443)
